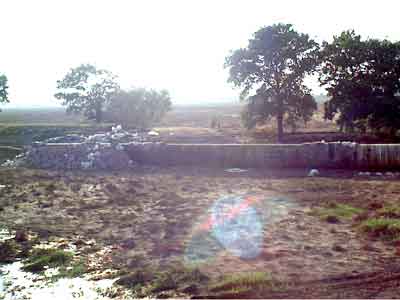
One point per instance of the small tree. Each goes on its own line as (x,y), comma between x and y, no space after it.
(87,89)
(140,108)
(3,89)
(271,71)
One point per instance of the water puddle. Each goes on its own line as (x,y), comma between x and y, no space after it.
(17,285)
(5,234)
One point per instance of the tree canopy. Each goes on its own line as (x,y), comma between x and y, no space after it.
(88,90)
(3,89)
(362,81)
(270,71)
(139,107)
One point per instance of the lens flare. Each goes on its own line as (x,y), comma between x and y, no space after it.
(237,226)
(232,224)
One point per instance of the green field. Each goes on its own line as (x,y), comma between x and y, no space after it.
(21,127)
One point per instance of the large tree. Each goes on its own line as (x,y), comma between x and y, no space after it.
(88,90)
(138,107)
(3,89)
(270,71)
(362,81)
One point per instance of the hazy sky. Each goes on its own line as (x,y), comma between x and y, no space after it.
(177,45)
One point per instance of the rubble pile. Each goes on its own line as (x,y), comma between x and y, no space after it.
(71,152)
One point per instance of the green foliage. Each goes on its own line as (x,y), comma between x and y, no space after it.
(150,280)
(7,152)
(241,285)
(362,80)
(270,72)
(3,89)
(175,276)
(385,228)
(338,210)
(74,270)
(26,134)
(140,108)
(40,258)
(137,278)
(243,280)
(87,89)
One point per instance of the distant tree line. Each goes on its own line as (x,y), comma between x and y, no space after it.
(361,77)
(97,94)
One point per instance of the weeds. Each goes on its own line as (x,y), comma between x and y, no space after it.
(241,285)
(42,258)
(176,276)
(136,278)
(152,281)
(385,228)
(75,270)
(340,211)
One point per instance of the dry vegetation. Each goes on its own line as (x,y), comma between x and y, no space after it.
(326,236)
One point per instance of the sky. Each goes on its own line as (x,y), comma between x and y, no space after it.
(178,45)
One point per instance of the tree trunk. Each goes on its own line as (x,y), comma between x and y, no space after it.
(99,113)
(279,119)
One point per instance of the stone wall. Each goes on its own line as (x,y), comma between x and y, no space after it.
(378,156)
(311,155)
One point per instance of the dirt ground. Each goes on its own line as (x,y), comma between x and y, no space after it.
(159,216)
(194,125)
